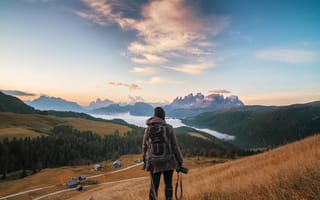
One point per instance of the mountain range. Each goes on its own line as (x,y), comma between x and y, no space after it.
(252,126)
(180,107)
(54,103)
(137,109)
(192,105)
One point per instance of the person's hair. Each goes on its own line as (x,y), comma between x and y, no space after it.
(159,112)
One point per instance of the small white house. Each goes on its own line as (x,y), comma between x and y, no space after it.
(72,183)
(116,164)
(98,167)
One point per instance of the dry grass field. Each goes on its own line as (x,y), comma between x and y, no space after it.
(58,176)
(17,132)
(288,172)
(29,124)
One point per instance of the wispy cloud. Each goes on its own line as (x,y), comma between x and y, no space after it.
(131,86)
(35,1)
(196,68)
(220,91)
(165,29)
(288,55)
(134,99)
(145,70)
(149,59)
(18,93)
(160,80)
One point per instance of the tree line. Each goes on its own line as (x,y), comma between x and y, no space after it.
(68,146)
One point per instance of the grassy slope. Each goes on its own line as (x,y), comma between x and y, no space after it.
(288,172)
(17,132)
(44,123)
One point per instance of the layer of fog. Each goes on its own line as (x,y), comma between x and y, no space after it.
(141,122)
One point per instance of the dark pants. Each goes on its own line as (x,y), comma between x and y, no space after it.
(167,176)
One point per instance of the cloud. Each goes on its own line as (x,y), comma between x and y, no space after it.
(134,99)
(160,80)
(18,93)
(164,29)
(130,86)
(149,59)
(196,68)
(98,19)
(145,70)
(220,91)
(288,55)
(36,1)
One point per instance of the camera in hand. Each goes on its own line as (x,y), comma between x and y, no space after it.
(183,170)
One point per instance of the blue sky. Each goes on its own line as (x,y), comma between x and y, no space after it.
(265,52)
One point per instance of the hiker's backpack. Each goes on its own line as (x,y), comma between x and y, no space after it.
(160,144)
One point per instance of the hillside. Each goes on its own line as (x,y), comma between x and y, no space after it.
(288,172)
(43,124)
(12,104)
(263,126)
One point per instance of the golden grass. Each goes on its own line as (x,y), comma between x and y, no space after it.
(288,172)
(101,128)
(58,176)
(17,132)
(44,123)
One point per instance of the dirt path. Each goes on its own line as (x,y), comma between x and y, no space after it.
(66,190)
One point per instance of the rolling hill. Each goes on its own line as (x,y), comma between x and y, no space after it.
(12,104)
(257,126)
(43,124)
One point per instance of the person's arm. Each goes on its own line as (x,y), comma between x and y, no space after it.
(176,148)
(145,145)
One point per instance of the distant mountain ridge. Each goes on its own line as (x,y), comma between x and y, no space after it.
(54,103)
(192,105)
(138,109)
(180,107)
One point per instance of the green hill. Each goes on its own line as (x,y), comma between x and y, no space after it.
(12,104)
(263,126)
(193,142)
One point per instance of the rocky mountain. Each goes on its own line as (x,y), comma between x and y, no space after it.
(54,103)
(12,104)
(192,105)
(99,104)
(138,109)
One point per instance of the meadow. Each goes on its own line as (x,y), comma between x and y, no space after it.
(287,172)
(21,125)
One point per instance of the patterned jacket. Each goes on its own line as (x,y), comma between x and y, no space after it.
(172,164)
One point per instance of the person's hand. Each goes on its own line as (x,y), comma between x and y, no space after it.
(144,165)
(179,167)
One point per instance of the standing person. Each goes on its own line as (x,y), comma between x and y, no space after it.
(161,153)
